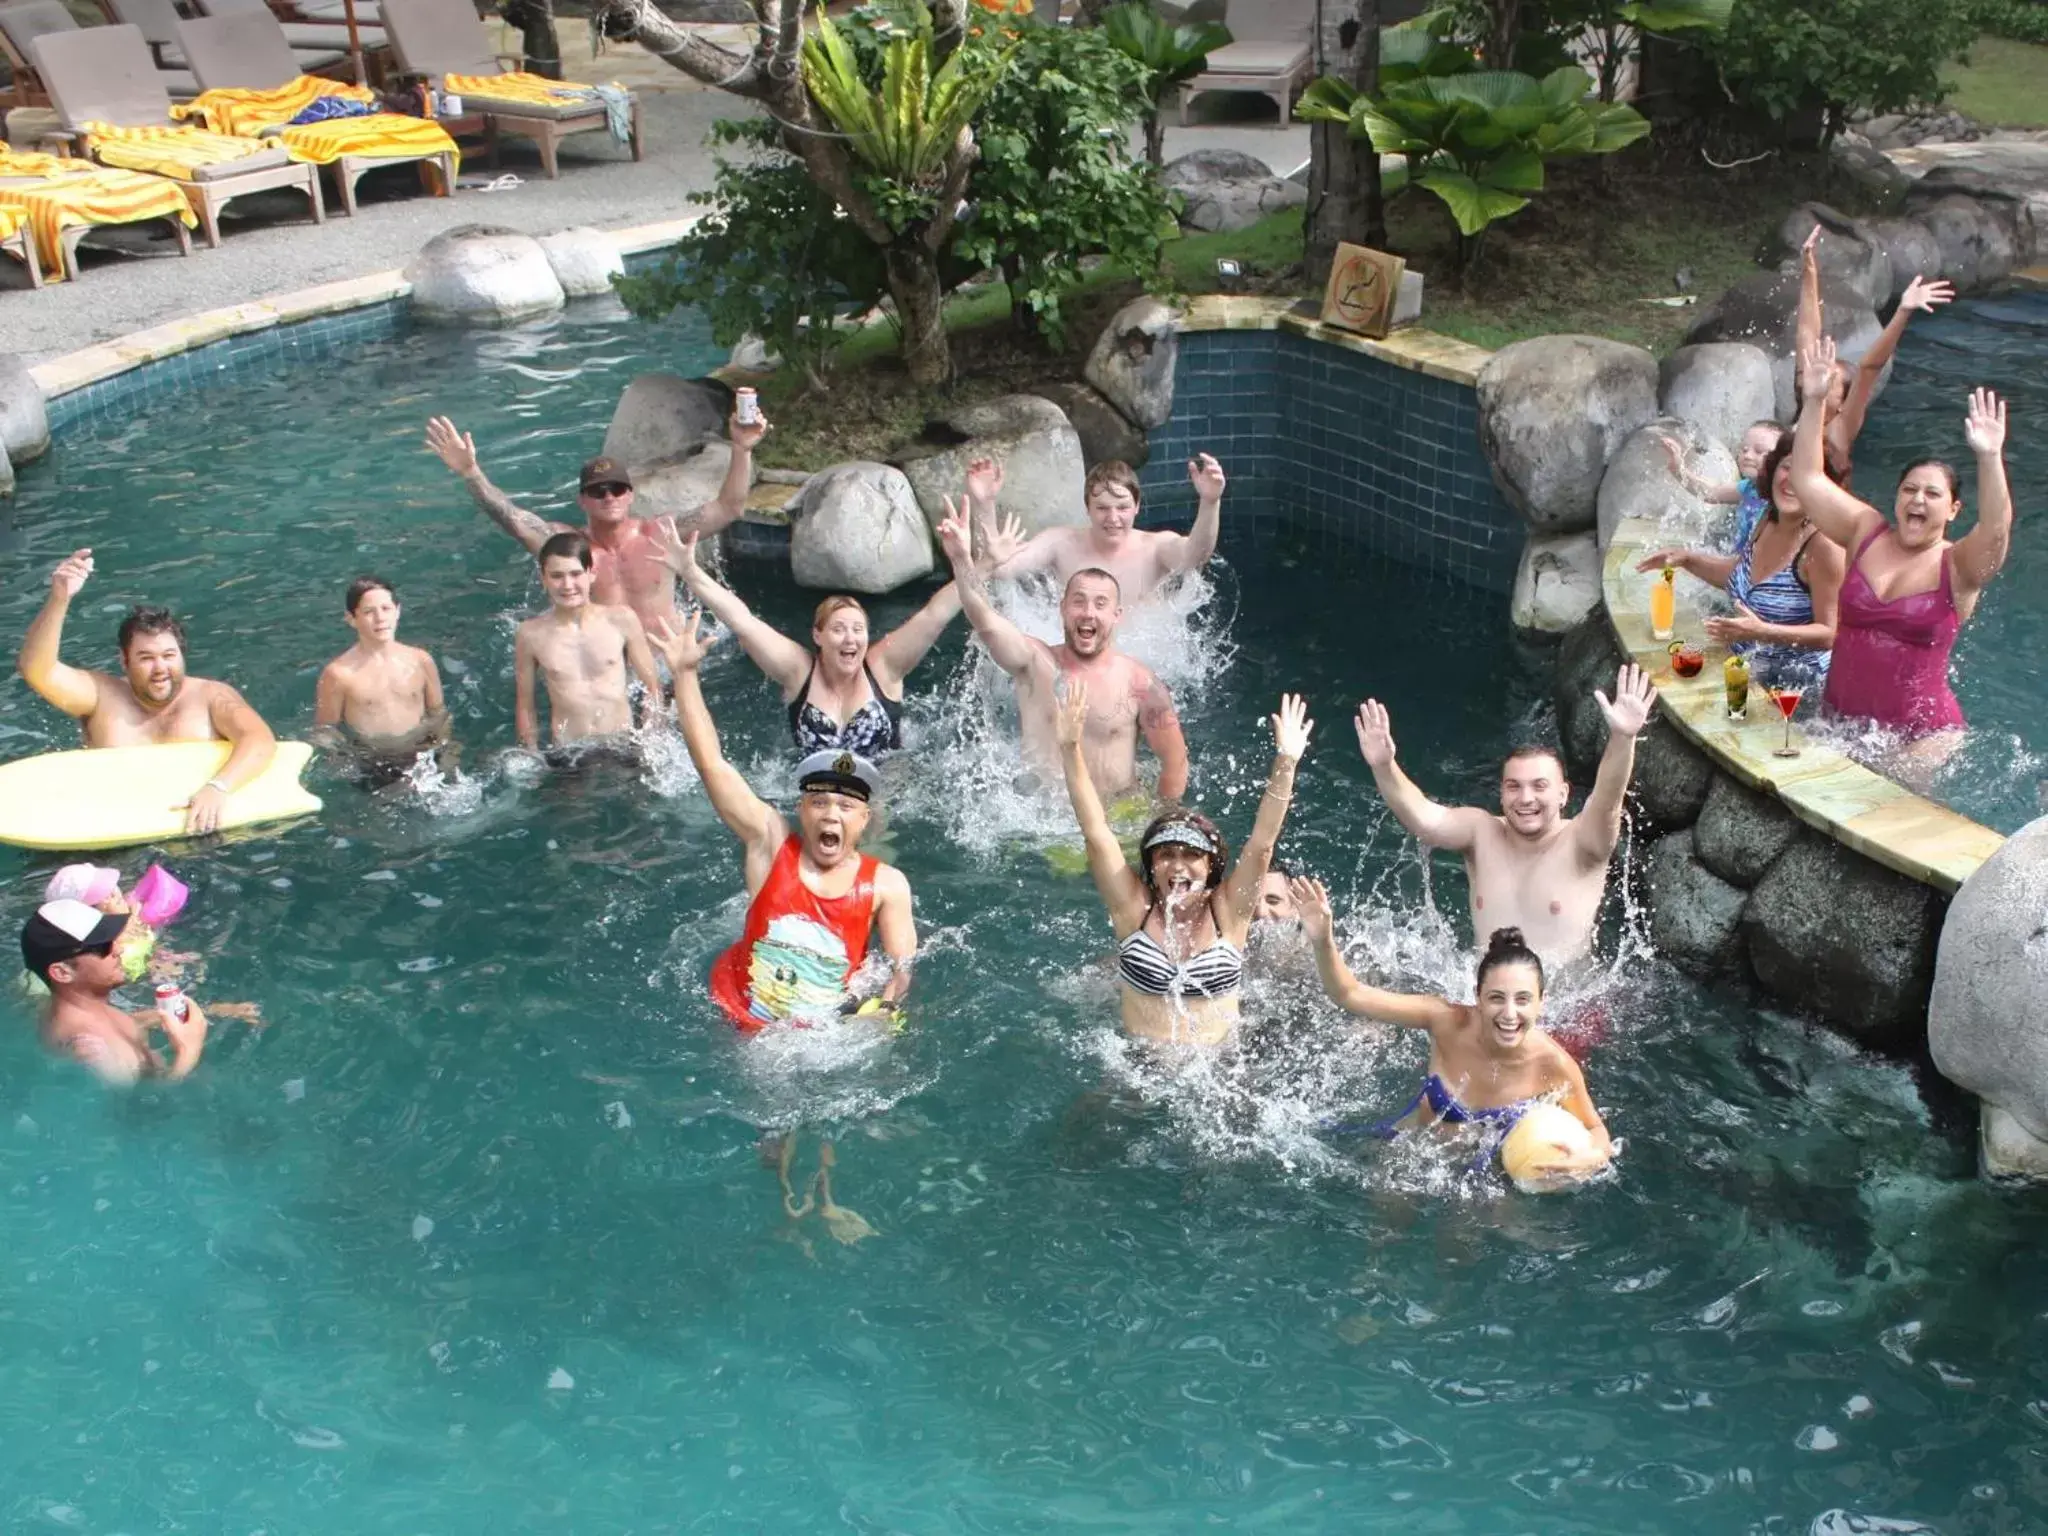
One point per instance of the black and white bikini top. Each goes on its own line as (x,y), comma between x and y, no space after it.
(876,727)
(1213,972)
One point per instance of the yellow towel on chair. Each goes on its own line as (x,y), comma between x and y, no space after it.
(517,87)
(249,112)
(381,135)
(70,193)
(174,152)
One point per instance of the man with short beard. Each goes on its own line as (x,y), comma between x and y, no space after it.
(1531,867)
(152,701)
(1124,697)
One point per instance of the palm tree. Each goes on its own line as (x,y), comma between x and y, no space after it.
(1171,55)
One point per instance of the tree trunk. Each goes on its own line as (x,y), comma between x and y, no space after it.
(1155,138)
(1504,29)
(1345,201)
(535,20)
(920,310)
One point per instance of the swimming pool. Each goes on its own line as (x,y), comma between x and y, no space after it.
(475,1236)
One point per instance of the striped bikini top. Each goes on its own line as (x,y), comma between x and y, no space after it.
(1145,967)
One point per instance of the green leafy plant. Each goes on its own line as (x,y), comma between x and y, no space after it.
(1171,54)
(2023,21)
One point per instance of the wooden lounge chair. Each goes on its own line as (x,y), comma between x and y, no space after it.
(23,21)
(250,53)
(61,201)
(103,75)
(307,36)
(1269,54)
(434,39)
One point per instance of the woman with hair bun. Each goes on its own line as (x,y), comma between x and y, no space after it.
(1490,1061)
(1182,916)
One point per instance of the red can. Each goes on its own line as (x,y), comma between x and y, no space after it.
(171,1001)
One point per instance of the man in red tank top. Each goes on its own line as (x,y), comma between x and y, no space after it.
(816,897)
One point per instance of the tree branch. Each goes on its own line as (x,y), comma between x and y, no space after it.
(949,28)
(707,62)
(826,157)
(959,165)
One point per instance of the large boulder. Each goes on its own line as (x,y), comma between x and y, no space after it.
(1909,246)
(1991,990)
(1185,172)
(1556,585)
(24,420)
(1639,483)
(6,474)
(1214,207)
(661,416)
(1133,360)
(1764,311)
(1830,930)
(2011,195)
(679,486)
(1587,658)
(1842,252)
(1978,246)
(1671,777)
(1721,387)
(483,274)
(1552,411)
(858,529)
(1104,430)
(1029,436)
(1695,916)
(1740,833)
(1869,168)
(584,261)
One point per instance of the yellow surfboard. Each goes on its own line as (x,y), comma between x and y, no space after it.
(116,797)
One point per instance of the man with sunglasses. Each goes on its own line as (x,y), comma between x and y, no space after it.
(631,561)
(72,948)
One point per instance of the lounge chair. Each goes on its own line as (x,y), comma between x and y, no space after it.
(61,201)
(444,42)
(252,85)
(109,100)
(1269,54)
(23,21)
(17,241)
(307,36)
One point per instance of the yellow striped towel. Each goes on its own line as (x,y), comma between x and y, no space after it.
(164,151)
(517,87)
(54,201)
(248,112)
(380,136)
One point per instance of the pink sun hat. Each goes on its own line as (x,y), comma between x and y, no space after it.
(89,883)
(159,896)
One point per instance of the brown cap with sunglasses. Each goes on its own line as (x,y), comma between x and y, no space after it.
(603,471)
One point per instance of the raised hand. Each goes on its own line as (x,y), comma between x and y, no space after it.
(1743,624)
(1207,477)
(71,573)
(1004,541)
(1375,734)
(1312,902)
(984,481)
(679,550)
(1674,456)
(1070,711)
(1629,710)
(956,535)
(1817,368)
(746,435)
(1922,294)
(1656,560)
(454,448)
(679,644)
(1984,427)
(1291,727)
(1809,255)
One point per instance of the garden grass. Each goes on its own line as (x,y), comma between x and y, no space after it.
(2004,84)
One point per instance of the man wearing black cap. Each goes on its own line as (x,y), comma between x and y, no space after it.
(71,947)
(816,897)
(631,558)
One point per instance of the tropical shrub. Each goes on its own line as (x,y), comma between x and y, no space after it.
(1840,58)
(2024,21)
(1171,53)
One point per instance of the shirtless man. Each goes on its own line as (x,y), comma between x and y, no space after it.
(72,947)
(631,563)
(1123,695)
(583,648)
(152,701)
(386,696)
(1140,560)
(1531,867)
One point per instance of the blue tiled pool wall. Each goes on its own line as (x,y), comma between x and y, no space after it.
(1331,445)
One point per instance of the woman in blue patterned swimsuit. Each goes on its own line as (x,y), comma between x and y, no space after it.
(846,694)
(1785,583)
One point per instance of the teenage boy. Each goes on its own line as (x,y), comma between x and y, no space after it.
(584,650)
(380,698)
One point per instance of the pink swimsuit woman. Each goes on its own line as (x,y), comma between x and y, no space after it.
(1891,658)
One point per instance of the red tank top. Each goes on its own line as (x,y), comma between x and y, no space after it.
(798,949)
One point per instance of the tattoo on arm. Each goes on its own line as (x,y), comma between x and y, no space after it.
(527,527)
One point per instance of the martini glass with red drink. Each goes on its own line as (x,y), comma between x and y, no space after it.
(1786,693)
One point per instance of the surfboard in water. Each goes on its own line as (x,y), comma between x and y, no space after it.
(116,797)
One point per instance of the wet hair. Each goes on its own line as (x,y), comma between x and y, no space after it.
(1764,421)
(1276,867)
(1508,947)
(1099,572)
(1219,858)
(832,605)
(362,587)
(145,620)
(1110,472)
(1534,749)
(1948,473)
(1767,476)
(567,545)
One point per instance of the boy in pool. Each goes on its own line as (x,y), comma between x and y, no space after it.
(72,949)
(380,698)
(1142,561)
(584,650)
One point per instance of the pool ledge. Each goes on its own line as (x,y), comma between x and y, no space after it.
(1414,348)
(107,359)
(1828,791)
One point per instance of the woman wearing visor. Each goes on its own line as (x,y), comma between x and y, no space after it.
(1182,916)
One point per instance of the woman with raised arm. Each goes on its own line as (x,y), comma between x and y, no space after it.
(1785,582)
(1182,916)
(843,693)
(1489,1060)
(1909,587)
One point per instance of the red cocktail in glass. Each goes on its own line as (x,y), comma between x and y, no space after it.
(1787,696)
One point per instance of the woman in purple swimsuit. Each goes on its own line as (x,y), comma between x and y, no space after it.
(1909,586)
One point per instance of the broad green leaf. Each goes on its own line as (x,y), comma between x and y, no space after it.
(1472,206)
(1615,126)
(1680,15)
(1326,100)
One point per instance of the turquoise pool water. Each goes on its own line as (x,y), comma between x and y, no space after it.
(474,1236)
(2001,660)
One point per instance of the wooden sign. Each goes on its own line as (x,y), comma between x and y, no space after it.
(1363,286)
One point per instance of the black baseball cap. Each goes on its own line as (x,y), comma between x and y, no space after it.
(604,471)
(64,930)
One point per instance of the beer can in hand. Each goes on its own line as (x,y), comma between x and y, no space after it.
(171,1001)
(746,407)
